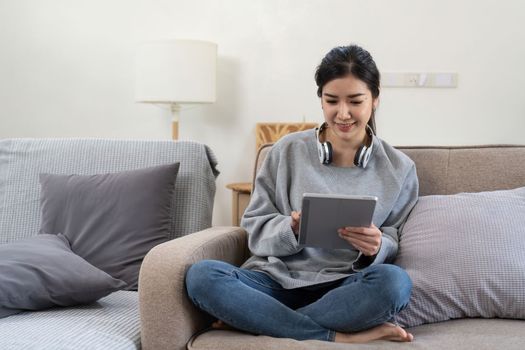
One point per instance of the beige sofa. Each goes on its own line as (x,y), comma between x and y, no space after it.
(170,321)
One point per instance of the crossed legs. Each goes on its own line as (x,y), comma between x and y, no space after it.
(356,309)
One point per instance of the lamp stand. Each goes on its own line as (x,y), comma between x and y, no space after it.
(175,111)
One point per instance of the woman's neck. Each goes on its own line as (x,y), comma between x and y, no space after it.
(344,150)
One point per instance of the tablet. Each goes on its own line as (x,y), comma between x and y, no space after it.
(323,214)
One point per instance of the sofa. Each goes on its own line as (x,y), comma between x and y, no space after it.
(455,183)
(112,322)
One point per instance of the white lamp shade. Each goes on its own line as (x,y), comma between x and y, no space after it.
(176,71)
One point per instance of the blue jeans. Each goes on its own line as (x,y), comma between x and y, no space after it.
(253,302)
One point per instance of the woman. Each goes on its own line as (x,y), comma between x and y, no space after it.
(342,295)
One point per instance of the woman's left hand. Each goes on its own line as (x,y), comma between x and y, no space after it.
(365,239)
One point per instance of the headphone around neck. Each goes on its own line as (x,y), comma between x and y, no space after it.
(325,149)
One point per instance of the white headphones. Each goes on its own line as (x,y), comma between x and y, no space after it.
(325,150)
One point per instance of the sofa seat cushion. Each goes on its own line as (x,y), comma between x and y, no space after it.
(479,334)
(112,322)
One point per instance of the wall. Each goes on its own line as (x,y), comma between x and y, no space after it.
(66,69)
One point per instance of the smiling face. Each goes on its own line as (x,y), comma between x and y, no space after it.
(347,107)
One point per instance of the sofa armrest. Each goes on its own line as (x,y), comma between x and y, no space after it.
(168,317)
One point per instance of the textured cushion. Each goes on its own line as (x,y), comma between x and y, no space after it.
(42,271)
(465,254)
(22,160)
(111,220)
(111,323)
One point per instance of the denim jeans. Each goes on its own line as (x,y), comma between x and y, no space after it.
(253,302)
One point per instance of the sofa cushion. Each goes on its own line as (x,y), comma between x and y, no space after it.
(112,322)
(453,169)
(22,160)
(465,254)
(111,220)
(42,271)
(466,334)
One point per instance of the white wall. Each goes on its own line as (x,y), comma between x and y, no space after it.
(66,69)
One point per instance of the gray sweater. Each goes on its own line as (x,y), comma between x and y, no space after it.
(292,168)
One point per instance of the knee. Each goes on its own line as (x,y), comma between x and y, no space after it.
(199,278)
(395,285)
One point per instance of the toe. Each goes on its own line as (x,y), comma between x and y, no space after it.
(410,336)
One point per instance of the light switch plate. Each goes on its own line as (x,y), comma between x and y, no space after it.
(419,80)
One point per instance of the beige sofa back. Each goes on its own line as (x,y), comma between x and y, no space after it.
(449,170)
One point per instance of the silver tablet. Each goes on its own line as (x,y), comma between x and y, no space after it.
(323,214)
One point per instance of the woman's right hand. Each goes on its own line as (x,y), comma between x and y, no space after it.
(296,218)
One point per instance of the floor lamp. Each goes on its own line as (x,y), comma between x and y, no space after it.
(176,73)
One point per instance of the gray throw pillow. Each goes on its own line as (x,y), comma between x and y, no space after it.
(465,254)
(41,271)
(4,312)
(111,220)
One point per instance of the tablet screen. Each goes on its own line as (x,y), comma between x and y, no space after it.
(323,214)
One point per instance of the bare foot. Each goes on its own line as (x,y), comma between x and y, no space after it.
(386,331)
(221,325)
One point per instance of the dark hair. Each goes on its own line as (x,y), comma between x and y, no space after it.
(349,60)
